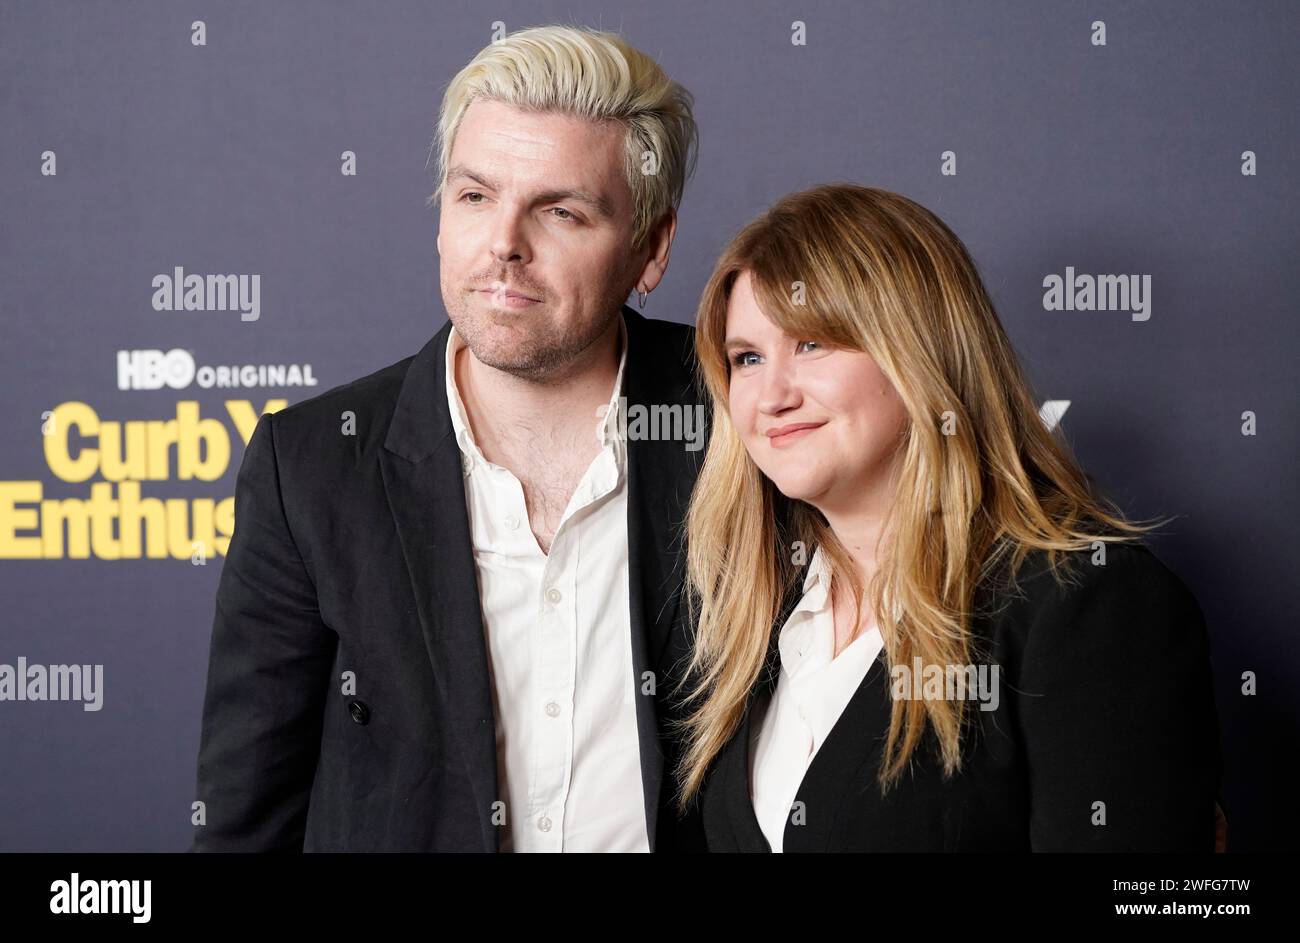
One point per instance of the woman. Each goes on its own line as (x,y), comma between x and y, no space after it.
(918,628)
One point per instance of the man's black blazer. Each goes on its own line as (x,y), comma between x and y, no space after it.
(1106,696)
(348,703)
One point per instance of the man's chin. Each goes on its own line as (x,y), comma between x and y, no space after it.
(506,354)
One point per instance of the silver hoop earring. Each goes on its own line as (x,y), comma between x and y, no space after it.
(640,298)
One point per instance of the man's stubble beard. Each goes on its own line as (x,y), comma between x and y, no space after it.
(541,354)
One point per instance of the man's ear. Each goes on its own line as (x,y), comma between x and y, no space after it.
(659,242)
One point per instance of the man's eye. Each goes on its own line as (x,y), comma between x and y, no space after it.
(567,217)
(471,193)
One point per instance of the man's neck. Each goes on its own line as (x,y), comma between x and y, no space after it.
(504,409)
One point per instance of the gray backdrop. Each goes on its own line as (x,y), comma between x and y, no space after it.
(225,158)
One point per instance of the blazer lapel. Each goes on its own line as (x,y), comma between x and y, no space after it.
(748,834)
(424,481)
(661,474)
(859,731)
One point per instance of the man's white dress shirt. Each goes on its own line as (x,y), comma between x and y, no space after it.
(812,690)
(559,642)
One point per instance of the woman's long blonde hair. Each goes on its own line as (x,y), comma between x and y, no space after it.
(980,480)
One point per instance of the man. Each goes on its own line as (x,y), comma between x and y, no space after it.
(448,619)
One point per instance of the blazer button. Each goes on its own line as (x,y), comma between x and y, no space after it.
(360,713)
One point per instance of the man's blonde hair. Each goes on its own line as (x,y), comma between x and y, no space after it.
(589,74)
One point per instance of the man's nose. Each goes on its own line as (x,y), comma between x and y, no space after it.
(509,241)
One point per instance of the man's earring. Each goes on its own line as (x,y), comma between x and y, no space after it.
(641,297)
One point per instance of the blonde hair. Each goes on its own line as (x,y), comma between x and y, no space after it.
(590,74)
(880,274)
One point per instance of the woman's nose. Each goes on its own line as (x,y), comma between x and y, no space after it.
(779,389)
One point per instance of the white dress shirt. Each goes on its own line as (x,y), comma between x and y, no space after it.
(812,690)
(559,642)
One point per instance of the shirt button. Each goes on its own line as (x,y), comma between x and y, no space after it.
(553,595)
(512,522)
(466,464)
(552,709)
(544,824)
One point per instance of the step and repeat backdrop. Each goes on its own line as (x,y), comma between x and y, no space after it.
(212,210)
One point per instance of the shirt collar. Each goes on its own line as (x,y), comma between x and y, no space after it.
(816,585)
(611,430)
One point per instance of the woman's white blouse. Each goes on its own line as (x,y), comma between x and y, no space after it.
(812,691)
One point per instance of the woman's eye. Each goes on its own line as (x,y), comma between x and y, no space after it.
(738,358)
(814,343)
(471,193)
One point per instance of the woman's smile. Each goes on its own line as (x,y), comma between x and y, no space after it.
(781,436)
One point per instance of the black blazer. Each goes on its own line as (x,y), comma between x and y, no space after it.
(1106,696)
(352,553)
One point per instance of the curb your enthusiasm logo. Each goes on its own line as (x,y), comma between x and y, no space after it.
(116,522)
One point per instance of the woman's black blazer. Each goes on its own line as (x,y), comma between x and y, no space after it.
(1105,737)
